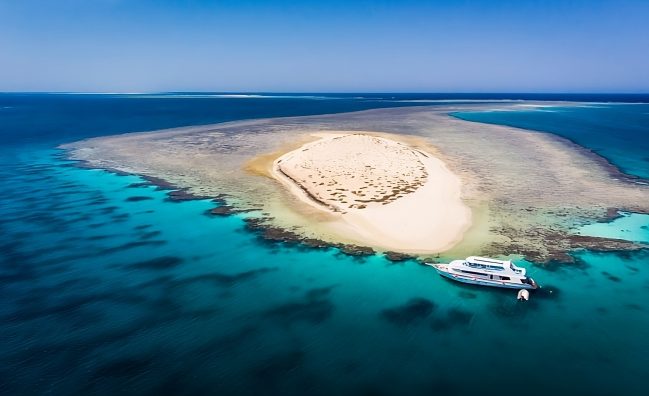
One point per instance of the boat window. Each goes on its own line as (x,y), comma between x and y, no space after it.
(473,273)
(516,270)
(504,278)
(483,266)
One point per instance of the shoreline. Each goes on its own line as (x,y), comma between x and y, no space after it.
(424,215)
(517,215)
(262,228)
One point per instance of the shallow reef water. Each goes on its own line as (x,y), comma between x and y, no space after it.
(629,226)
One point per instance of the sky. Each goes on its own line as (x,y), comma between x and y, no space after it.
(324,46)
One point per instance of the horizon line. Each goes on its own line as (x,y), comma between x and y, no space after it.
(330,92)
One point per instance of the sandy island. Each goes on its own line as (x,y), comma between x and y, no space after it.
(383,193)
(409,180)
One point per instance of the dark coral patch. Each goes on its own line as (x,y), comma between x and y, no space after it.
(138,185)
(412,312)
(159,263)
(468,295)
(396,257)
(138,198)
(226,280)
(120,217)
(149,235)
(314,308)
(130,245)
(611,277)
(318,292)
(454,318)
(108,209)
(634,306)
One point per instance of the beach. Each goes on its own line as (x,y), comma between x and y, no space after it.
(380,192)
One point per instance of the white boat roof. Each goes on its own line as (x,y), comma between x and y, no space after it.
(486,260)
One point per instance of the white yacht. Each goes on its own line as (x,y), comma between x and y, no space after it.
(486,272)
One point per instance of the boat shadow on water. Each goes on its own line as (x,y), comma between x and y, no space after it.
(503,302)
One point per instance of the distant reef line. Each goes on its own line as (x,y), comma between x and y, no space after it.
(613,170)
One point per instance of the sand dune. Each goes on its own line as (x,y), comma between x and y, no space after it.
(382,192)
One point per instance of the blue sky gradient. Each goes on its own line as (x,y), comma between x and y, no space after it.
(324,46)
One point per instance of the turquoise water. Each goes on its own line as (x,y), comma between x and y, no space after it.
(629,226)
(110,288)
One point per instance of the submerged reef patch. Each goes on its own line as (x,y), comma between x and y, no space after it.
(138,198)
(455,317)
(158,263)
(412,312)
(314,308)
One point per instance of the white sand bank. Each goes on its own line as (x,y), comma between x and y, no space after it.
(380,192)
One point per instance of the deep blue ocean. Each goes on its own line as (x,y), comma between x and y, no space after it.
(105,294)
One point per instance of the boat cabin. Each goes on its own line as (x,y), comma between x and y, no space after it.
(488,264)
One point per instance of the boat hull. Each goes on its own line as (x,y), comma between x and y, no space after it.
(481,282)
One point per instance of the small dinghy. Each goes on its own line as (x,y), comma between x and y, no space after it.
(523,295)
